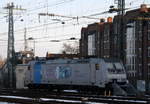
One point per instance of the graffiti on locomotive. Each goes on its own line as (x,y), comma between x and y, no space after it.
(63,72)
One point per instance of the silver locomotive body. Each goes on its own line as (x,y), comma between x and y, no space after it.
(75,72)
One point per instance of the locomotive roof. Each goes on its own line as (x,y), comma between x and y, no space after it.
(75,61)
(90,60)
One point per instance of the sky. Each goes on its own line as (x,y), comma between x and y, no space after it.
(43,29)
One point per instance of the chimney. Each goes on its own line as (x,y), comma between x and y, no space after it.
(109,20)
(144,8)
(102,20)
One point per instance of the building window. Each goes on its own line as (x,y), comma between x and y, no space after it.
(91,44)
(149,34)
(140,52)
(148,51)
(149,70)
(115,40)
(140,70)
(139,28)
(149,30)
(133,74)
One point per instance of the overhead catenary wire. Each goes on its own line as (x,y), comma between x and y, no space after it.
(20,42)
(72,18)
(88,17)
(39,26)
(51,5)
(33,27)
(58,22)
(45,37)
(55,4)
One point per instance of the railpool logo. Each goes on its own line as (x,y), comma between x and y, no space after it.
(63,72)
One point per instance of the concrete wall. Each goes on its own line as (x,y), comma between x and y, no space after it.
(20,76)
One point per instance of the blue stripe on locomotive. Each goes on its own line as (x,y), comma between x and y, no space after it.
(37,73)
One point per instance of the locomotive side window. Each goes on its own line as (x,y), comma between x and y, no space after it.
(97,66)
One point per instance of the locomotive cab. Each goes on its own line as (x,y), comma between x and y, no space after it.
(117,79)
(116,72)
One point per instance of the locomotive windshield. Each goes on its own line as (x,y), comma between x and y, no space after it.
(116,68)
(111,68)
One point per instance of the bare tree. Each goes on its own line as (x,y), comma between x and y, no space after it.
(71,48)
(2,62)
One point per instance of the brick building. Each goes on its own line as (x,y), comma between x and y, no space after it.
(103,40)
(97,40)
(138,47)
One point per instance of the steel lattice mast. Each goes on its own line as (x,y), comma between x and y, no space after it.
(10,48)
(9,68)
(10,63)
(121,6)
(120,28)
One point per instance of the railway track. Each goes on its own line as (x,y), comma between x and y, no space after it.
(52,97)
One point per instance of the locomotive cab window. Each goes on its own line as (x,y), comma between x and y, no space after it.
(111,68)
(119,68)
(97,66)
